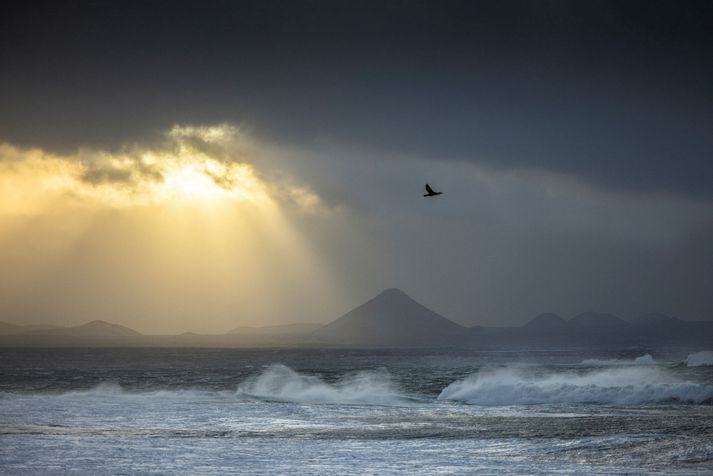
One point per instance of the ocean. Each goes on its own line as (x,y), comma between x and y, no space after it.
(308,411)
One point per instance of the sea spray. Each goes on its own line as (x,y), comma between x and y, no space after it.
(623,385)
(700,359)
(279,382)
(646,359)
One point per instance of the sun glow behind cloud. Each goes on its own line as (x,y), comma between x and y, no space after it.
(193,167)
(185,234)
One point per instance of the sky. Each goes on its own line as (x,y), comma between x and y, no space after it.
(198,166)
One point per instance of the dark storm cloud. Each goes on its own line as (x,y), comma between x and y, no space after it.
(100,172)
(616,93)
(106,175)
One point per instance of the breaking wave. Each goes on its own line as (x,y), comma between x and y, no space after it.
(279,382)
(275,383)
(646,359)
(623,386)
(700,359)
(635,383)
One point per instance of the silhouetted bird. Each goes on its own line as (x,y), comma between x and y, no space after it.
(430,192)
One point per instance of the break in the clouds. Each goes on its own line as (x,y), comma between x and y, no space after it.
(189,165)
(191,231)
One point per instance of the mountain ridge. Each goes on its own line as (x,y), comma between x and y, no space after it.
(294,328)
(545,320)
(392,319)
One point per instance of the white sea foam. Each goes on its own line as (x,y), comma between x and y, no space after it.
(646,359)
(700,359)
(279,382)
(623,385)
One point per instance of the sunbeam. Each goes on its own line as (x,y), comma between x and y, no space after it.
(180,236)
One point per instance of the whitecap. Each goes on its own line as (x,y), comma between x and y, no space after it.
(646,359)
(624,385)
(700,359)
(279,382)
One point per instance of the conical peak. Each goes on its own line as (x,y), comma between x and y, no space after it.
(392,292)
(394,295)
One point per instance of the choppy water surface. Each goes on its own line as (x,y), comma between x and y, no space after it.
(354,412)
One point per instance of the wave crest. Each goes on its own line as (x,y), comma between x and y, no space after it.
(700,359)
(624,386)
(646,359)
(279,382)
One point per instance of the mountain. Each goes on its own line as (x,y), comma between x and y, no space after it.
(597,319)
(7,328)
(299,328)
(391,319)
(546,320)
(90,329)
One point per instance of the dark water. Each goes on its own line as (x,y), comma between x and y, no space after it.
(216,411)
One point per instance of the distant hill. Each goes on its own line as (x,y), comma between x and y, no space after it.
(546,320)
(391,319)
(299,328)
(90,329)
(7,328)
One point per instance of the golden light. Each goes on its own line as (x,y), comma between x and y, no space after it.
(183,235)
(182,173)
(208,181)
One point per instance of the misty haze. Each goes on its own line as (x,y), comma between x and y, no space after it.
(330,237)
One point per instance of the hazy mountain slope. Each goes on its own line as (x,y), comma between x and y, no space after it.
(90,329)
(299,328)
(6,328)
(391,319)
(546,320)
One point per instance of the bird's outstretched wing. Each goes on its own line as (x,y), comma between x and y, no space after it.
(429,189)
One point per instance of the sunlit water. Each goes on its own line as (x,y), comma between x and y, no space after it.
(108,411)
